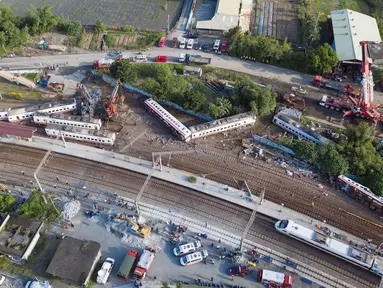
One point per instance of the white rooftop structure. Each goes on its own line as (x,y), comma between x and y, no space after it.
(350,28)
(226,16)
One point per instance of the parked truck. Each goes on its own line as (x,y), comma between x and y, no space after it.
(104,273)
(275,279)
(339,103)
(127,265)
(144,263)
(329,85)
(197,59)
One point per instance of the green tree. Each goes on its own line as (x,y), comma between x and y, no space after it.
(222,107)
(165,285)
(323,59)
(330,161)
(100,27)
(129,29)
(306,150)
(123,71)
(179,285)
(6,203)
(194,100)
(41,20)
(69,27)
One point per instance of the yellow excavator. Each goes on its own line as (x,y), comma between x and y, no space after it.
(141,230)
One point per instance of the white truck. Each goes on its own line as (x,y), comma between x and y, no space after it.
(104,273)
(182,57)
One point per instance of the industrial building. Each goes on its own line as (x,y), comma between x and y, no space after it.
(226,16)
(19,236)
(350,28)
(75,260)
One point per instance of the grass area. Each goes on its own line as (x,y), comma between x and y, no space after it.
(93,41)
(356,5)
(32,76)
(29,94)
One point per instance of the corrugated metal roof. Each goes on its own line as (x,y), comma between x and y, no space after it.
(350,28)
(17,130)
(226,16)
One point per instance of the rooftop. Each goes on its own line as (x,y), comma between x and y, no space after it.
(34,108)
(17,234)
(69,117)
(226,16)
(17,130)
(350,28)
(222,121)
(78,130)
(74,259)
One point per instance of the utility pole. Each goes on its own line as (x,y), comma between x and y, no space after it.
(168,23)
(158,159)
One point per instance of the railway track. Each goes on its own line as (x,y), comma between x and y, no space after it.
(104,176)
(276,192)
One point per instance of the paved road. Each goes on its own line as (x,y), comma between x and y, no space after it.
(220,61)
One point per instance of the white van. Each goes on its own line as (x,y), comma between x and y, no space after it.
(187,248)
(190,44)
(182,57)
(182,43)
(140,58)
(216,44)
(193,258)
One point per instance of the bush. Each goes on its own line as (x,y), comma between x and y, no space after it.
(192,179)
(6,203)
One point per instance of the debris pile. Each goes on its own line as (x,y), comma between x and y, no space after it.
(70,209)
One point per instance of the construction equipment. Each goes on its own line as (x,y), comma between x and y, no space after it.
(292,100)
(91,98)
(57,87)
(141,230)
(363,106)
(111,105)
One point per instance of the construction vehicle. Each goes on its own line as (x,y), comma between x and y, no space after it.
(92,99)
(197,59)
(363,106)
(43,45)
(127,265)
(3,188)
(111,105)
(292,100)
(329,85)
(144,263)
(104,273)
(57,87)
(141,230)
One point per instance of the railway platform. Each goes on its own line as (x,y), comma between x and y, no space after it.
(179,177)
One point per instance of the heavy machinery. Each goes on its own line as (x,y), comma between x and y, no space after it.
(363,106)
(57,87)
(111,105)
(292,100)
(141,230)
(91,98)
(127,265)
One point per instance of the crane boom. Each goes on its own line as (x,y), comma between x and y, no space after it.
(367,80)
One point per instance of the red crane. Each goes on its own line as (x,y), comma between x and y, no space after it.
(363,106)
(111,105)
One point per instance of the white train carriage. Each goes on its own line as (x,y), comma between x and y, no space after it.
(193,258)
(61,106)
(350,186)
(81,134)
(4,113)
(330,245)
(178,129)
(187,248)
(67,120)
(221,125)
(305,133)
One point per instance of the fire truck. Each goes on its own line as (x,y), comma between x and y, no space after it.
(275,279)
(144,263)
(103,64)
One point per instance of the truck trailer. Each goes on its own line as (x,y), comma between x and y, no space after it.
(126,266)
(197,59)
(144,263)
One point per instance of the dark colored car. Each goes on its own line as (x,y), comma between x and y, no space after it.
(175,42)
(224,46)
(192,35)
(206,48)
(240,270)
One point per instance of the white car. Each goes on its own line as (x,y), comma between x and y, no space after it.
(190,44)
(182,43)
(182,57)
(2,279)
